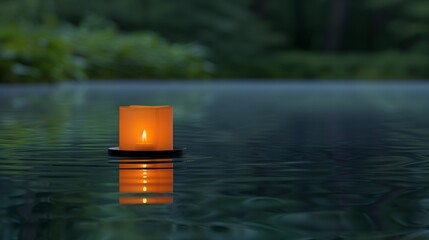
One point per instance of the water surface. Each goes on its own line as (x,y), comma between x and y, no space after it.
(264,161)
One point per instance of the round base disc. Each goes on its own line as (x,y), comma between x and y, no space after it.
(175,152)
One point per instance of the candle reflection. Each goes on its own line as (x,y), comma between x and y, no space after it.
(148,178)
(146,200)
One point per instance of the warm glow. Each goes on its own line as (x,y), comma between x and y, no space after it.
(147,179)
(144,136)
(149,200)
(145,128)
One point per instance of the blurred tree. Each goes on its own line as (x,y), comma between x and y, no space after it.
(411,29)
(50,53)
(233,35)
(245,37)
(251,25)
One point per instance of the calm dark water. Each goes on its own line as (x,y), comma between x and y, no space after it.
(273,161)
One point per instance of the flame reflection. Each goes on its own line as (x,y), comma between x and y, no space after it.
(154,180)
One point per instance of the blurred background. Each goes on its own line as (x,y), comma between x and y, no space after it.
(57,40)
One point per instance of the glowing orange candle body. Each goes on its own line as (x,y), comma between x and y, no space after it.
(145,128)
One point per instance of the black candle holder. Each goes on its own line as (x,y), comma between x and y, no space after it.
(175,152)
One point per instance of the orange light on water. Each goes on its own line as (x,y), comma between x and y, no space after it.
(153,178)
(149,181)
(146,200)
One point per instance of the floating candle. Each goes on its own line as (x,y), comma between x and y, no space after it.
(145,128)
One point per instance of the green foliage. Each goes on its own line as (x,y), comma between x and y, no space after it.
(28,54)
(230,31)
(307,65)
(137,55)
(34,53)
(406,23)
(242,38)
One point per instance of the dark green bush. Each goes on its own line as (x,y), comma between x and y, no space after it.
(94,50)
(30,54)
(306,65)
(44,53)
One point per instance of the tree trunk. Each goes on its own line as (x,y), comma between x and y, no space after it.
(336,25)
(300,35)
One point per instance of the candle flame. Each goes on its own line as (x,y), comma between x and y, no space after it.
(144,136)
